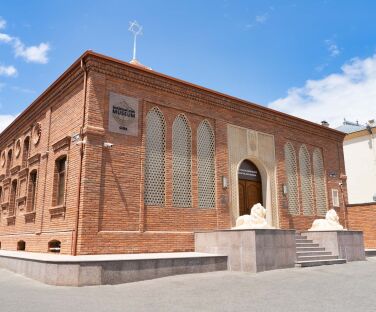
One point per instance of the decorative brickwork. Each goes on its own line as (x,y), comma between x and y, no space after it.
(110,203)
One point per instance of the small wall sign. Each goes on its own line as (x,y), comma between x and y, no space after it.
(123,114)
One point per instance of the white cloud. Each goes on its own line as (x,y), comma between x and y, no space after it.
(332,48)
(8,71)
(3,23)
(350,94)
(5,38)
(5,121)
(36,54)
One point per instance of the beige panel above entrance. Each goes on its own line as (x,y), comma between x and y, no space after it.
(259,148)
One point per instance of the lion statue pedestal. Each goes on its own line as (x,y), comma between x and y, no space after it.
(256,220)
(330,223)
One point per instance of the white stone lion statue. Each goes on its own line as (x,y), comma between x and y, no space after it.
(330,223)
(256,220)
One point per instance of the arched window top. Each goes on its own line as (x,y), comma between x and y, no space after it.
(33,172)
(21,245)
(205,124)
(155,112)
(181,121)
(289,147)
(303,151)
(54,246)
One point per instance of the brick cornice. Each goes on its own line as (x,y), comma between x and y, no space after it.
(167,84)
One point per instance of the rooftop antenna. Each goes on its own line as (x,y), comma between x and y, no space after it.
(136,29)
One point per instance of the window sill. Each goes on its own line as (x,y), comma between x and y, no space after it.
(29,216)
(21,199)
(57,211)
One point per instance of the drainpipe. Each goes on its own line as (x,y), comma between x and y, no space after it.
(82,149)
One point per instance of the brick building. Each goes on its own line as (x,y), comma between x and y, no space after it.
(116,158)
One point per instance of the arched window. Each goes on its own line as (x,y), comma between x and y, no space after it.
(206,165)
(25,151)
(320,186)
(32,190)
(21,245)
(9,161)
(306,180)
(292,179)
(155,147)
(54,246)
(60,177)
(181,162)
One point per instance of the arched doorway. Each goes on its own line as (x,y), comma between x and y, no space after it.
(250,187)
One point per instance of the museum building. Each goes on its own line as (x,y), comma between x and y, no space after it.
(116,158)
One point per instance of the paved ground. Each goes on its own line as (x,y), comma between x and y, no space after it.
(347,287)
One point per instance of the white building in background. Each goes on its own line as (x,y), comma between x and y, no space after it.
(359,149)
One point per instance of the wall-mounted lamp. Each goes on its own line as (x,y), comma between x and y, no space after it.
(224,182)
(284,189)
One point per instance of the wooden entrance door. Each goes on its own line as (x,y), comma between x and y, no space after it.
(250,193)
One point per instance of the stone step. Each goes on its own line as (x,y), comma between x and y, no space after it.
(298,249)
(314,258)
(303,240)
(307,245)
(304,264)
(313,253)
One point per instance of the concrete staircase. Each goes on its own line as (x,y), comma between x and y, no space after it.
(309,254)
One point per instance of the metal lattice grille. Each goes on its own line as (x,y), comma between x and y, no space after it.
(306,180)
(292,179)
(320,186)
(154,193)
(181,162)
(205,165)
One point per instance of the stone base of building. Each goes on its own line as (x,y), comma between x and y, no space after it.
(61,270)
(251,250)
(347,245)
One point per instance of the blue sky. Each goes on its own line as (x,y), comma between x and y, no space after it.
(301,57)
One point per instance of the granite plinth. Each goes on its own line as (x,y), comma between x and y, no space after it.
(61,270)
(347,245)
(250,250)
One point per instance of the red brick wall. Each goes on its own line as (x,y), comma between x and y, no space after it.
(62,118)
(363,217)
(112,215)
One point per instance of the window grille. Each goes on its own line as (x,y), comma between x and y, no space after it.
(320,186)
(206,165)
(306,180)
(154,174)
(181,162)
(292,179)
